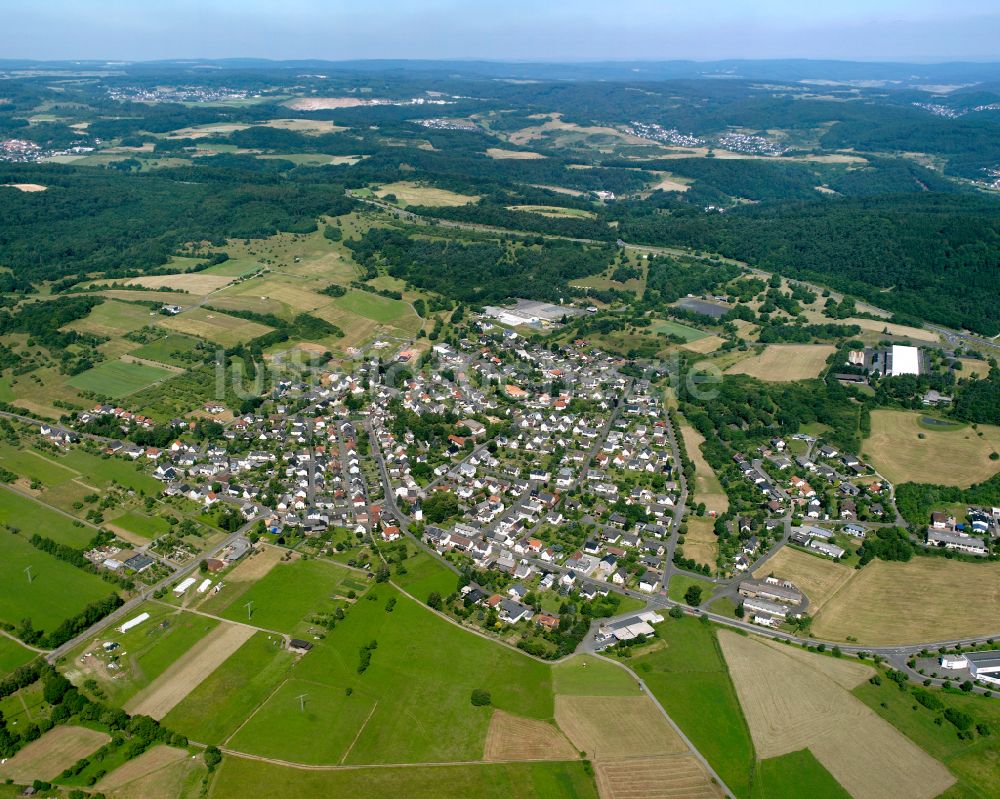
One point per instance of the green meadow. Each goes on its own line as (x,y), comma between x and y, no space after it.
(289,593)
(55,591)
(30,517)
(415,694)
(690,679)
(240,778)
(117,378)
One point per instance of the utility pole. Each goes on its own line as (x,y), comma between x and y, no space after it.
(302,702)
(249,607)
(27,570)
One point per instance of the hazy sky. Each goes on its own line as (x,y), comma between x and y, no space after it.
(577,30)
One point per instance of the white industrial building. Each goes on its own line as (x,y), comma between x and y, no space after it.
(902,360)
(983,666)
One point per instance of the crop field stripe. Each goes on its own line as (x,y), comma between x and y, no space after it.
(185,675)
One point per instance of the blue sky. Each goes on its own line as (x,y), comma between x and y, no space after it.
(549,30)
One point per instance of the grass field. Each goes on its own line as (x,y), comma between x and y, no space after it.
(516,155)
(419,682)
(408,193)
(214,326)
(425,574)
(12,655)
(904,331)
(673,328)
(613,727)
(55,592)
(32,517)
(148,527)
(167,349)
(883,603)
(240,778)
(195,283)
(216,708)
(112,318)
(818,578)
(148,650)
(782,363)
(287,594)
(585,675)
(372,306)
(162,772)
(687,677)
(793,775)
(680,583)
(905,451)
(117,378)
(707,487)
(790,705)
(554,211)
(189,671)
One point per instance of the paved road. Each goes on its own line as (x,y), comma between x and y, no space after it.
(147,593)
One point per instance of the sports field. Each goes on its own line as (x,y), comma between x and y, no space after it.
(782,363)
(818,578)
(673,328)
(904,450)
(707,488)
(55,591)
(790,705)
(118,378)
(887,603)
(408,193)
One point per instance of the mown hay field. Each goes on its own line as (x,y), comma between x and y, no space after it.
(903,450)
(666,777)
(783,363)
(516,738)
(615,727)
(188,672)
(707,487)
(214,326)
(58,749)
(898,603)
(790,705)
(408,193)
